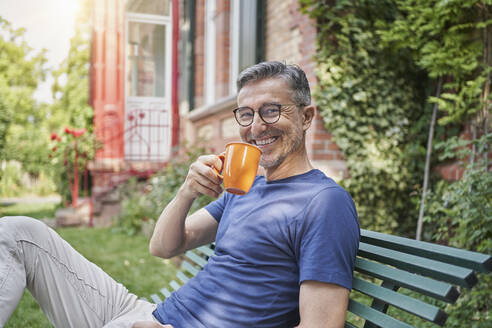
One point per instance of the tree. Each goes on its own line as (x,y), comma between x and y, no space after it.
(70,108)
(21,69)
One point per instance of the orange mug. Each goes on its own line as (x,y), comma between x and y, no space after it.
(239,167)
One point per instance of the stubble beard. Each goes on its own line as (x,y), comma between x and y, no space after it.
(295,144)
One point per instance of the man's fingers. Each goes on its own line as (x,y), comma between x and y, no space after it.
(202,179)
(208,173)
(204,170)
(210,190)
(212,161)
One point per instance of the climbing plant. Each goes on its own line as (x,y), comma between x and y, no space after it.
(378,64)
(372,99)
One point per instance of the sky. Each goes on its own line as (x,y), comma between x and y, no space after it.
(49,24)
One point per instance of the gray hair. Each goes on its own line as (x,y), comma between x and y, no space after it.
(292,74)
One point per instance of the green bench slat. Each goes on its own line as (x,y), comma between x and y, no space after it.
(435,269)
(189,268)
(155,298)
(426,286)
(195,258)
(406,303)
(374,316)
(182,277)
(174,285)
(206,250)
(472,260)
(165,292)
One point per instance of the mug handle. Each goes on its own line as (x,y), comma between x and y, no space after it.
(222,158)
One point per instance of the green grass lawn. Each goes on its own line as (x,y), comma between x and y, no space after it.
(35,210)
(125,258)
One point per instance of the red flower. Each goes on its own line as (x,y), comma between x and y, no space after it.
(68,130)
(53,149)
(54,136)
(77,133)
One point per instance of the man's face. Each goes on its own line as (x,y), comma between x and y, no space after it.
(278,141)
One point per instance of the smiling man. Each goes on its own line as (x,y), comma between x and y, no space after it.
(284,252)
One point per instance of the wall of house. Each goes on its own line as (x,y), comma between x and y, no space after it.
(211,125)
(289,37)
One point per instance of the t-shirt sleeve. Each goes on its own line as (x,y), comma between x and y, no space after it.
(327,238)
(216,208)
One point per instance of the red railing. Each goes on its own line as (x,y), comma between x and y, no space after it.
(139,146)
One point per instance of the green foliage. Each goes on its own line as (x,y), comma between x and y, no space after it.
(14,181)
(446,38)
(5,120)
(21,136)
(71,87)
(144,202)
(10,180)
(371,99)
(459,214)
(65,148)
(377,64)
(70,109)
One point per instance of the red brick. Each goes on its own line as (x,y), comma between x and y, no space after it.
(332,146)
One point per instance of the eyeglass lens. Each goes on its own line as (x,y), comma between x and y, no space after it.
(269,113)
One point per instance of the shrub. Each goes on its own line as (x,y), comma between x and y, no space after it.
(145,201)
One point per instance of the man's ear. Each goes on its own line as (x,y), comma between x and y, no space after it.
(308,113)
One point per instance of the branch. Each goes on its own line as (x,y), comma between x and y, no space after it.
(427,161)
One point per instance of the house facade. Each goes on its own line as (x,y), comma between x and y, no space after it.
(163,73)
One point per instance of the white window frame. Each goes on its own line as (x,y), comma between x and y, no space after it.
(159,20)
(234,42)
(210,44)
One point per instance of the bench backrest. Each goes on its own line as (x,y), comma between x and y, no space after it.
(390,271)
(426,272)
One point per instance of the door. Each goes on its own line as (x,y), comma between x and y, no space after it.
(148,86)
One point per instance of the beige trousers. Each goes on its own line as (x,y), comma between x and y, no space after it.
(70,290)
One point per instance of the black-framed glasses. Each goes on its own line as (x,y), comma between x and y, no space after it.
(269,113)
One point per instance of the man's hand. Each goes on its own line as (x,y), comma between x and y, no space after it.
(149,324)
(202,179)
(174,232)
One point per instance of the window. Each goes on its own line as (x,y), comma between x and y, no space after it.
(146,58)
(246,43)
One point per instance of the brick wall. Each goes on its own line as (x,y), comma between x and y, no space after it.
(290,37)
(199,53)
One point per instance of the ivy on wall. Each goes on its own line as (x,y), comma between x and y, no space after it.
(372,100)
(378,64)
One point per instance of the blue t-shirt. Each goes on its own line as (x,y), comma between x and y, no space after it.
(268,242)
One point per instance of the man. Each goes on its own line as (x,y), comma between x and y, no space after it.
(284,252)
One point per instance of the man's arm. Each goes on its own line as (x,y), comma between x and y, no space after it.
(322,304)
(174,233)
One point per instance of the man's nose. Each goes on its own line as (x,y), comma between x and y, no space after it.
(258,125)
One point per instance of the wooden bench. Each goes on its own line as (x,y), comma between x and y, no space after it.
(390,271)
